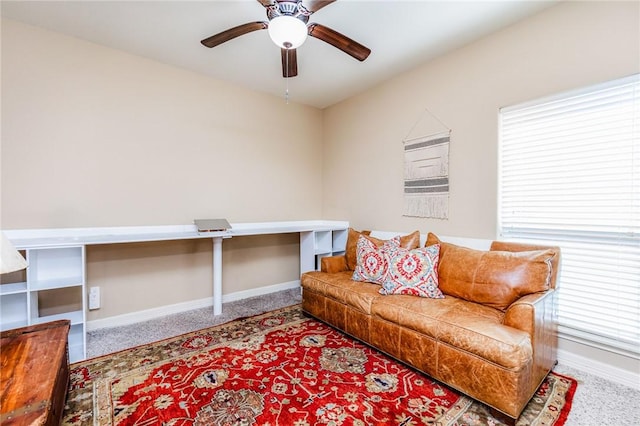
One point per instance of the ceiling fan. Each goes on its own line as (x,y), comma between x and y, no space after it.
(288,28)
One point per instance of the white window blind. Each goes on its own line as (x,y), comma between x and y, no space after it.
(570,176)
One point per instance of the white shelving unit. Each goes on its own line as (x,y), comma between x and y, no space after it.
(316,244)
(52,288)
(57,259)
(14,299)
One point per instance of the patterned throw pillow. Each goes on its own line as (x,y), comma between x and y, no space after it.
(413,272)
(372,261)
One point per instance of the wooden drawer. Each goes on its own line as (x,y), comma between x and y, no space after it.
(34,374)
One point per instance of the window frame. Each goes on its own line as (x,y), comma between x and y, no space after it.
(631,240)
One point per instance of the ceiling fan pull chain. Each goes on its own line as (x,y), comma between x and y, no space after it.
(286,93)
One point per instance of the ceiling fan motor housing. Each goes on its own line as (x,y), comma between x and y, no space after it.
(288,8)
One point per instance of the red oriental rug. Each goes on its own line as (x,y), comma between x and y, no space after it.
(279,368)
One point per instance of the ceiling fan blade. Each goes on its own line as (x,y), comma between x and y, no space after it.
(265,3)
(289,62)
(340,41)
(315,5)
(234,32)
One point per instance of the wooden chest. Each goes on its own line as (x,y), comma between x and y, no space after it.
(34,374)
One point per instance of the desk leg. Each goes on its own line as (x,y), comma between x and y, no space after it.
(217,275)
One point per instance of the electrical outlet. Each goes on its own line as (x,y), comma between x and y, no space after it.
(94,298)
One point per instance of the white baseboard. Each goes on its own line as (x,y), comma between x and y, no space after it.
(600,369)
(245,294)
(159,312)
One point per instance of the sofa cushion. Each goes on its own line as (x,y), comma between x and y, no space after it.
(416,313)
(413,272)
(473,331)
(373,261)
(329,285)
(409,241)
(342,288)
(491,278)
(470,327)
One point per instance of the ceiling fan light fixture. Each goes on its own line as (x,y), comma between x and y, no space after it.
(287,32)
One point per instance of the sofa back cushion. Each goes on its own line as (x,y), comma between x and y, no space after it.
(409,242)
(511,246)
(492,278)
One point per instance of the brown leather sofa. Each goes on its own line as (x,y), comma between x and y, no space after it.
(492,337)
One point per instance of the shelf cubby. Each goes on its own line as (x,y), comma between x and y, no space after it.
(51,288)
(323,242)
(314,245)
(13,311)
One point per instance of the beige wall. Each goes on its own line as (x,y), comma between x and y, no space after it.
(140,276)
(93,136)
(565,47)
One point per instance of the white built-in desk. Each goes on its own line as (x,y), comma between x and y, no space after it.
(56,259)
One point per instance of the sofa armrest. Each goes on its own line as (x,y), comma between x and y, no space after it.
(333,264)
(526,313)
(536,315)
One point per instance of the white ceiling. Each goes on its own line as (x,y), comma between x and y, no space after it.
(401,34)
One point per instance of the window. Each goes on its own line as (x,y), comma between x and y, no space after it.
(570,176)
